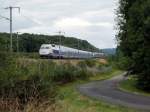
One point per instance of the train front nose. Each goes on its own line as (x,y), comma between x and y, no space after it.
(45,52)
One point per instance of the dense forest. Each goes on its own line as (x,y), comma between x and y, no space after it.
(134,38)
(32,42)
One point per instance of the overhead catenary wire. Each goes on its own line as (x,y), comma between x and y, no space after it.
(10,19)
(30,19)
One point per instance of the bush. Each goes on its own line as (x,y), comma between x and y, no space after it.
(27,90)
(31,79)
(90,63)
(68,73)
(100,65)
(83,74)
(24,81)
(63,74)
(82,64)
(28,80)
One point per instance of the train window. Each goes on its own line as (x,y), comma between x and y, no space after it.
(44,47)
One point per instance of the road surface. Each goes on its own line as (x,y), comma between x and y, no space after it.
(108,91)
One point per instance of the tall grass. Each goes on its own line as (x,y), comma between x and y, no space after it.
(23,80)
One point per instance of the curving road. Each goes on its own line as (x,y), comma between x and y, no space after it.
(108,91)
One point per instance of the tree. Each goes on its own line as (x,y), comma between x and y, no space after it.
(32,42)
(134,37)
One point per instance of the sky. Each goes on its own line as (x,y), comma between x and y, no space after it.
(91,20)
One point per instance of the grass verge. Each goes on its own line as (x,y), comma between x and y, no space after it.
(70,100)
(106,75)
(129,85)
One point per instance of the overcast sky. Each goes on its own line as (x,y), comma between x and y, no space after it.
(91,20)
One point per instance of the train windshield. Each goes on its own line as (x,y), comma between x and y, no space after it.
(45,47)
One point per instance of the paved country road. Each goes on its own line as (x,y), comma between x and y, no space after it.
(108,91)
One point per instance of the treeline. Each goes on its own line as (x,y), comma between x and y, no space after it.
(32,42)
(134,38)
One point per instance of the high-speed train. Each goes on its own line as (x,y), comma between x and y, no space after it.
(58,51)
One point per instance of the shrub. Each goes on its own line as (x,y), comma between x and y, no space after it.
(90,63)
(82,74)
(25,81)
(100,65)
(82,64)
(30,80)
(65,73)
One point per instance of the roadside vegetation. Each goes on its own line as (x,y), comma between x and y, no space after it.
(72,101)
(26,81)
(133,23)
(129,85)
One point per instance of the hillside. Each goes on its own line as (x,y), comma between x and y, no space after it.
(109,51)
(32,42)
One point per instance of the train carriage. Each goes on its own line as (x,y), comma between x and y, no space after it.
(56,51)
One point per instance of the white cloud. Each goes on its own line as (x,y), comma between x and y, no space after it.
(78,22)
(104,24)
(102,12)
(71,22)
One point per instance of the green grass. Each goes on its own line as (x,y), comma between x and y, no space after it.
(106,75)
(129,85)
(72,101)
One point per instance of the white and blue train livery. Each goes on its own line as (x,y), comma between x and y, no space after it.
(58,51)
